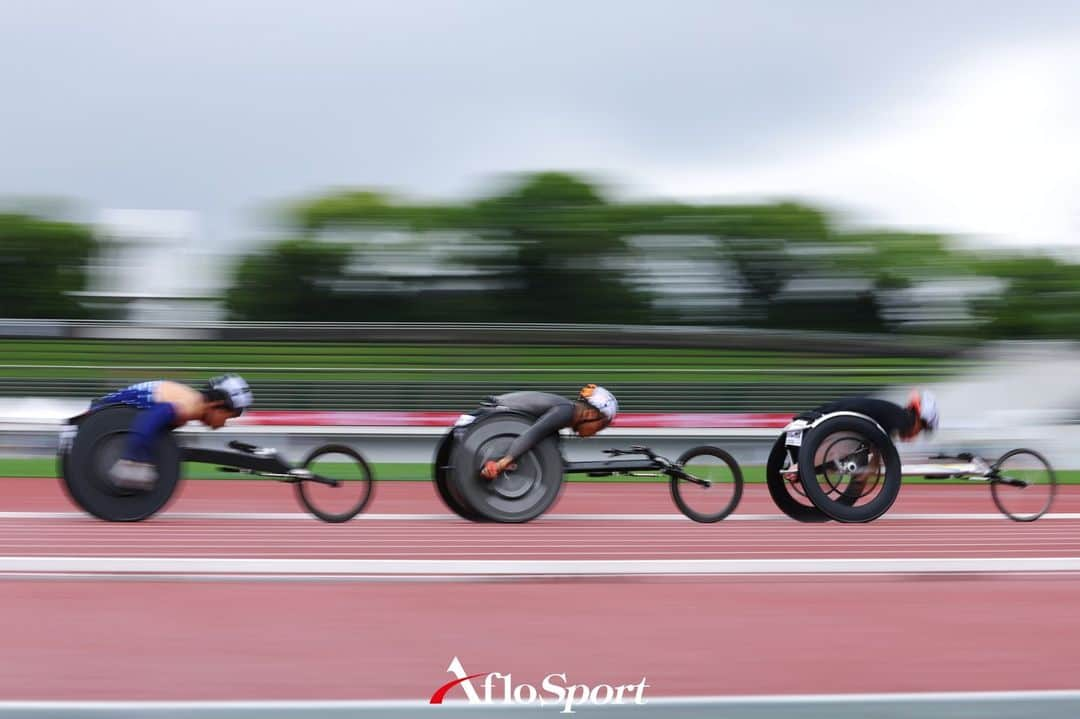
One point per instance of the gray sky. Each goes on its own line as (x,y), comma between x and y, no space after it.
(959,115)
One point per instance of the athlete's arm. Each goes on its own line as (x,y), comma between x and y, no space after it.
(549,423)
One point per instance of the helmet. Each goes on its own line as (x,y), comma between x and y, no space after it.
(600,399)
(925,405)
(233,390)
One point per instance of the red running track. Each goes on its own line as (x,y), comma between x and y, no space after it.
(579,497)
(184,534)
(125,640)
(113,639)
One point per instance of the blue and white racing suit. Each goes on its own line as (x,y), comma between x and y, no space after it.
(155,417)
(140,396)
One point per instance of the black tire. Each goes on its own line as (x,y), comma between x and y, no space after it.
(1005,496)
(98,443)
(788,497)
(515,496)
(440,469)
(842,505)
(351,495)
(686,493)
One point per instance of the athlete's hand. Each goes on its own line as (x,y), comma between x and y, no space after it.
(492,468)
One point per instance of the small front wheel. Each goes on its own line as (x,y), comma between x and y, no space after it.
(1023,485)
(354,483)
(707,484)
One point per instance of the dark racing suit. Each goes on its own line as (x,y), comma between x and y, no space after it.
(893,418)
(553,412)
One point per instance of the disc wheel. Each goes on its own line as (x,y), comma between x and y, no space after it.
(717,500)
(353,491)
(849,469)
(1023,504)
(101,439)
(441,470)
(519,494)
(788,494)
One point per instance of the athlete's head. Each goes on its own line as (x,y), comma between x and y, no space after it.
(924,404)
(227,396)
(598,408)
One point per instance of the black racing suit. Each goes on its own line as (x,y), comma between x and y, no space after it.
(893,418)
(553,413)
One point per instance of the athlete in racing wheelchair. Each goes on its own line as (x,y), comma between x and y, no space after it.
(592,411)
(503,462)
(906,423)
(852,447)
(167,405)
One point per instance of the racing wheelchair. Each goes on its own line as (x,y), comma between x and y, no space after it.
(333,482)
(705,482)
(843,466)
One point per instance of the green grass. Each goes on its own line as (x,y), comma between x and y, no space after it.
(421,472)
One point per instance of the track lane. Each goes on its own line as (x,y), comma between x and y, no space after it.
(90,638)
(152,640)
(578,498)
(180,531)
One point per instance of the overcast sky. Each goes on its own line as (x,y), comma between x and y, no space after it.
(958,115)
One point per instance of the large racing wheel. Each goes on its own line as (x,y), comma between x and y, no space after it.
(441,469)
(788,495)
(849,468)
(517,495)
(98,444)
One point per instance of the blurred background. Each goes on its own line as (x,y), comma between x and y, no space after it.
(380,212)
(710,207)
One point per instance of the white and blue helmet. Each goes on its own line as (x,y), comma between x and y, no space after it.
(233,390)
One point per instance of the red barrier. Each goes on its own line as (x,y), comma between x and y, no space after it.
(649,420)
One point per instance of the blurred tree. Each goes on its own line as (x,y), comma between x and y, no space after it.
(561,264)
(543,247)
(551,247)
(1041,298)
(42,263)
(556,248)
(292,280)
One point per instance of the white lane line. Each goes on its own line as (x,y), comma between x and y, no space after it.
(509,548)
(468,578)
(568,567)
(673,517)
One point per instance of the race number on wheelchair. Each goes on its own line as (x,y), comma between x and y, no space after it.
(794,438)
